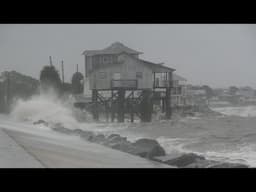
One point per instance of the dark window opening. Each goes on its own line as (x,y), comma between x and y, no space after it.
(139,75)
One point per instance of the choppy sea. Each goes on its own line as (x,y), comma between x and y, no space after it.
(231,137)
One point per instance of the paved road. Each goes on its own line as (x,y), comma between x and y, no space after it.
(56,150)
(13,155)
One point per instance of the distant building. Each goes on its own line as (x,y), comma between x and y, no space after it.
(179,91)
(196,95)
(246,92)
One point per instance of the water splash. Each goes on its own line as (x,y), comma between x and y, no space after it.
(47,107)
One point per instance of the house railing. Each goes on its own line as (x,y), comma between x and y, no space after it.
(124,83)
(162,83)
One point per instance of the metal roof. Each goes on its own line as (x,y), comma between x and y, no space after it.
(178,78)
(114,48)
(155,65)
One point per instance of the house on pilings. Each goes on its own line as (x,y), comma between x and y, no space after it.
(123,83)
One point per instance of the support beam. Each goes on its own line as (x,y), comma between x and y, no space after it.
(107,111)
(120,105)
(50,58)
(168,111)
(132,107)
(62,70)
(112,107)
(95,104)
(168,97)
(146,106)
(8,93)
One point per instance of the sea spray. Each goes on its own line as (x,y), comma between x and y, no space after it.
(48,107)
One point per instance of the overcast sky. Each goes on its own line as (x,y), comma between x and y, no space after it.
(217,55)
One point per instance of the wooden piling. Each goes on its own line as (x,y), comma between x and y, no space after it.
(132,107)
(120,105)
(146,106)
(112,107)
(62,70)
(95,104)
(168,103)
(50,58)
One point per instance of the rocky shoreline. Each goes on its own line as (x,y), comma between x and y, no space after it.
(145,148)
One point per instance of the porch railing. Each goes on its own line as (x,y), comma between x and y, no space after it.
(124,83)
(162,83)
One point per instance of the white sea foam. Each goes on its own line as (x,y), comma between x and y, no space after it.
(245,154)
(244,111)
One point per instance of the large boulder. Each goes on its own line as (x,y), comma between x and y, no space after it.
(184,160)
(87,135)
(98,139)
(125,147)
(60,128)
(78,131)
(63,130)
(202,163)
(41,122)
(115,141)
(148,148)
(229,165)
(115,138)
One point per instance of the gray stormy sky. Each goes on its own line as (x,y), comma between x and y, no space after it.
(219,55)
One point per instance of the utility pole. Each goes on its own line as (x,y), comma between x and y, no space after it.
(50,57)
(62,69)
(76,67)
(8,92)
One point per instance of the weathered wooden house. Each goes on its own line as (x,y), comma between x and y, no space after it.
(119,68)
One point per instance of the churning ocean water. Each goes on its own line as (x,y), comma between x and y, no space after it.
(231,137)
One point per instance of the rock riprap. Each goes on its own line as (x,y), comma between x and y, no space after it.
(146,148)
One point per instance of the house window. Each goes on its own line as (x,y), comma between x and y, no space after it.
(103,75)
(117,76)
(105,60)
(138,75)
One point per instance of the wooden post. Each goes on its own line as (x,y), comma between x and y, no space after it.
(107,111)
(120,105)
(163,105)
(112,107)
(146,106)
(8,95)
(154,80)
(168,97)
(85,66)
(62,70)
(95,104)
(167,102)
(132,107)
(50,57)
